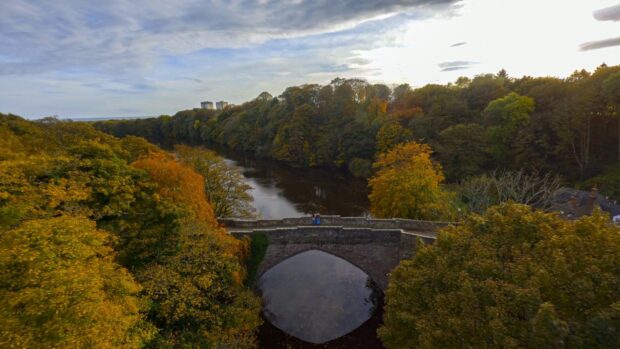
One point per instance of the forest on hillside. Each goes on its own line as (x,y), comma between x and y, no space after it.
(112,243)
(567,126)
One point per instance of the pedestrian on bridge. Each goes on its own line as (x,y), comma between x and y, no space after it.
(316,219)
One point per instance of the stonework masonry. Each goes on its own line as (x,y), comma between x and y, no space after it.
(376,246)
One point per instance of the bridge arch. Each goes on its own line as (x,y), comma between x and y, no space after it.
(376,268)
(375,251)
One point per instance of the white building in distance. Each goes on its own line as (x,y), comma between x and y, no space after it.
(221,105)
(207,105)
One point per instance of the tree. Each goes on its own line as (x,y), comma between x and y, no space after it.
(180,184)
(511,278)
(463,150)
(530,188)
(60,285)
(483,89)
(611,90)
(225,186)
(408,185)
(504,117)
(293,142)
(390,135)
(360,168)
(198,295)
(607,182)
(196,283)
(60,288)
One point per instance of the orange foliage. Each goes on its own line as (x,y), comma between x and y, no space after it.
(178,183)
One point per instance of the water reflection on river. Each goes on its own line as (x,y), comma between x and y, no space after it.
(283,191)
(317,297)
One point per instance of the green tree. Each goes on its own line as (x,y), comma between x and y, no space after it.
(511,278)
(390,135)
(293,142)
(607,182)
(408,185)
(463,150)
(611,90)
(504,117)
(360,167)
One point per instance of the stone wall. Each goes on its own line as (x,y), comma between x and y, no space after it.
(376,251)
(357,222)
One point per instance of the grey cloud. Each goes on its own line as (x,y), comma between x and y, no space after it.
(453,69)
(121,35)
(594,45)
(608,14)
(455,65)
(459,44)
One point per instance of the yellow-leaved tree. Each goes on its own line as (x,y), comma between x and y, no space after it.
(408,185)
(60,288)
(511,278)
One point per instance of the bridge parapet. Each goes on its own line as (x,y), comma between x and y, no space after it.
(410,225)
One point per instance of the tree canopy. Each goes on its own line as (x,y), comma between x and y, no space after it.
(108,242)
(408,185)
(60,287)
(491,122)
(511,278)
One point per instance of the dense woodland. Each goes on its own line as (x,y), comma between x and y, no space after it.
(568,126)
(110,243)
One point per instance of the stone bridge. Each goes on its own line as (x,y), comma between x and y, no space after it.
(376,246)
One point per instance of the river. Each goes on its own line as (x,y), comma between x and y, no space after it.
(280,191)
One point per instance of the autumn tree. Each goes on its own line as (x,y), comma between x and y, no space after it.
(511,278)
(72,206)
(180,184)
(225,186)
(60,288)
(197,285)
(408,185)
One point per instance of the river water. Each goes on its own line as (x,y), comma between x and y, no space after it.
(313,299)
(280,191)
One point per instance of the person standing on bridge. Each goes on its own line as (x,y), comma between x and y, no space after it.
(316,219)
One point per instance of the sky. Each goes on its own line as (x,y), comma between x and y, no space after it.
(121,58)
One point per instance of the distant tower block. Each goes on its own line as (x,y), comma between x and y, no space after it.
(221,105)
(207,105)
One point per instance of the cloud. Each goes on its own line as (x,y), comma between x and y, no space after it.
(118,36)
(456,65)
(595,45)
(608,14)
(459,44)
